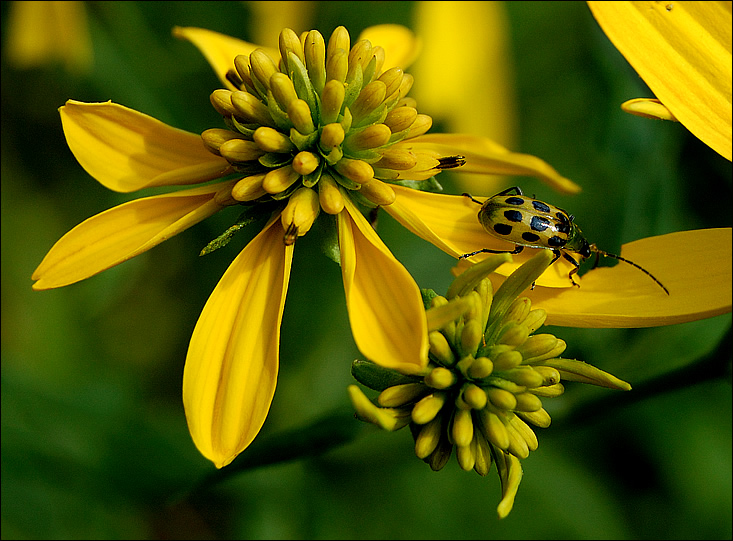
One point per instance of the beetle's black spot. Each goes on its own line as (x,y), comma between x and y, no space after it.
(513,215)
(538,223)
(542,207)
(556,242)
(503,229)
(514,201)
(530,237)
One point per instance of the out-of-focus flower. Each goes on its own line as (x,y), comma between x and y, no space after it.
(312,127)
(487,376)
(682,50)
(466,74)
(41,33)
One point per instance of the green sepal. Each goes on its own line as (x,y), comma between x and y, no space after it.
(328,235)
(244,129)
(427,297)
(301,141)
(368,155)
(378,378)
(311,179)
(334,156)
(353,86)
(287,192)
(345,182)
(248,216)
(399,136)
(428,185)
(273,160)
(280,117)
(370,71)
(303,86)
(377,116)
(346,120)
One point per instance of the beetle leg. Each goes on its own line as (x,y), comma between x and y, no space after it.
(572,260)
(471,198)
(516,250)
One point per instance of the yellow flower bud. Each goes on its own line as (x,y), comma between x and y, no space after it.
(271,140)
(330,197)
(400,118)
(283,90)
(300,115)
(249,188)
(305,162)
(278,180)
(240,151)
(378,192)
(250,108)
(300,213)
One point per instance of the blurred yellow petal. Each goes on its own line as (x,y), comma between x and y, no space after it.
(489,158)
(220,49)
(126,150)
(694,265)
(271,17)
(42,32)
(400,44)
(385,305)
(475,95)
(648,108)
(682,50)
(450,222)
(232,363)
(122,232)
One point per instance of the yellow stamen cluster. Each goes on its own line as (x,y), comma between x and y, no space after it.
(488,372)
(324,119)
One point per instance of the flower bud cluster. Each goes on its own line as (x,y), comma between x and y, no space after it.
(324,117)
(489,370)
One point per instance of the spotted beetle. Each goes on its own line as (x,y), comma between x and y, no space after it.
(524,221)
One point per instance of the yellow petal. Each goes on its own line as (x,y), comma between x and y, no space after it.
(450,222)
(487,157)
(269,18)
(385,305)
(682,50)
(232,363)
(694,265)
(122,232)
(65,35)
(126,150)
(400,44)
(220,49)
(648,108)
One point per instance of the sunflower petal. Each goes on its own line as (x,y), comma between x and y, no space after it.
(385,305)
(623,296)
(682,50)
(220,49)
(231,368)
(450,222)
(126,150)
(485,156)
(400,44)
(122,232)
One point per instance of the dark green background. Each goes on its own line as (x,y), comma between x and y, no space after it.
(94,440)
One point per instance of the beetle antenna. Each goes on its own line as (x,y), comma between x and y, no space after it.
(642,269)
(471,198)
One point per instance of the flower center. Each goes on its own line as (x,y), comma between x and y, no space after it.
(325,118)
